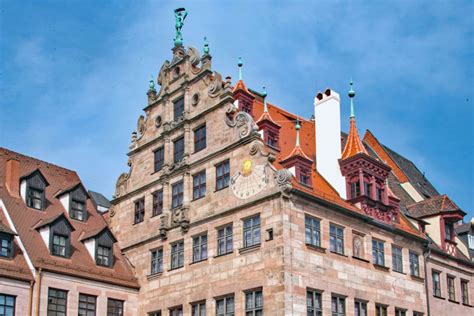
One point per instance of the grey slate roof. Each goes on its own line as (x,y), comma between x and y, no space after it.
(99,199)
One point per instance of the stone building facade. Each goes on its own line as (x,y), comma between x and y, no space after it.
(224,209)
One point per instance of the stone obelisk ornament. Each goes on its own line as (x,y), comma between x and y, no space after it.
(180,14)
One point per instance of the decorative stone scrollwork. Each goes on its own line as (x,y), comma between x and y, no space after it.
(180,218)
(164,226)
(258,147)
(162,73)
(216,85)
(141,125)
(121,184)
(283,179)
(194,56)
(245,124)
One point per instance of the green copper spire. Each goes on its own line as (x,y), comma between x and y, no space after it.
(206,46)
(298,127)
(180,14)
(152,83)
(240,64)
(351,95)
(264,95)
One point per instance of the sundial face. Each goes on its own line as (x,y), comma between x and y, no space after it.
(249,180)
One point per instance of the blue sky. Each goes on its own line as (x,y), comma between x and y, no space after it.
(74,73)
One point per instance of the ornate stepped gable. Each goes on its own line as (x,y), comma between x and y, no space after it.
(366,177)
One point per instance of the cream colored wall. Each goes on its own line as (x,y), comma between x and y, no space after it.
(74,286)
(434,229)
(462,247)
(21,290)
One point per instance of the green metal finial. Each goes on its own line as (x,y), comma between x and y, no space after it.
(206,46)
(240,64)
(297,127)
(152,83)
(351,95)
(180,14)
(264,95)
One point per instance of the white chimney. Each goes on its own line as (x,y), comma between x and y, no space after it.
(327,114)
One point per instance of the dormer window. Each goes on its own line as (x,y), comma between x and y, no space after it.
(32,189)
(59,245)
(78,209)
(355,189)
(6,246)
(272,139)
(448,231)
(304,176)
(104,256)
(35,198)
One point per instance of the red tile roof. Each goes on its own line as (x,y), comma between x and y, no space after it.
(354,145)
(432,206)
(80,264)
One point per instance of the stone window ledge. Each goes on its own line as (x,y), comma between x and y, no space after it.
(453,301)
(249,248)
(154,276)
(338,253)
(223,254)
(198,261)
(401,272)
(417,278)
(468,305)
(316,248)
(439,297)
(177,268)
(379,267)
(361,259)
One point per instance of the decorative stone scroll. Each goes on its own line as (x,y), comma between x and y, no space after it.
(242,121)
(121,184)
(141,125)
(258,147)
(215,85)
(283,179)
(194,56)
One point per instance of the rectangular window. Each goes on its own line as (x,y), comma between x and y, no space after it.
(178,149)
(465,292)
(57,302)
(224,240)
(78,210)
(305,176)
(400,312)
(104,256)
(312,231)
(177,194)
(114,307)
(254,303)
(397,259)
(470,239)
(380,194)
(272,139)
(178,108)
(436,284)
(448,231)
(157,261)
(338,306)
(378,256)
(155,313)
(414,264)
(35,198)
(176,311)
(336,239)
(157,203)
(59,245)
(225,306)
(451,290)
(159,158)
(380,310)
(314,303)
(199,248)
(6,246)
(198,309)
(199,185)
(177,255)
(139,211)
(355,189)
(87,305)
(222,175)
(368,189)
(7,305)
(360,308)
(200,138)
(417,314)
(252,231)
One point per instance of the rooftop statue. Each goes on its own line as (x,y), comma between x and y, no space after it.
(180,14)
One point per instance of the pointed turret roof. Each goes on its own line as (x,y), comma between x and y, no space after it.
(266,115)
(354,145)
(297,151)
(240,84)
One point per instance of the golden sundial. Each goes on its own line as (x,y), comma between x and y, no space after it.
(249,180)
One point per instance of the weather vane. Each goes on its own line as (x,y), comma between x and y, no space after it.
(180,14)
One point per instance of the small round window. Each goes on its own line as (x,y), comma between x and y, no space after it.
(158,121)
